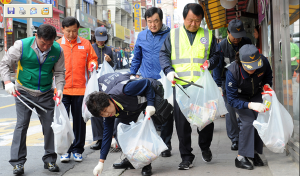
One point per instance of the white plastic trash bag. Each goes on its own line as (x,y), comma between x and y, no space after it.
(104,68)
(275,127)
(125,62)
(63,132)
(140,142)
(168,90)
(91,87)
(204,105)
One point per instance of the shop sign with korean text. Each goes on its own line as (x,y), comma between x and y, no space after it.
(119,31)
(86,20)
(137,17)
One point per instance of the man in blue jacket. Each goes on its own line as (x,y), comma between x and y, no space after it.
(146,60)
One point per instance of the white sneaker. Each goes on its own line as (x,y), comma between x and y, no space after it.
(77,157)
(65,158)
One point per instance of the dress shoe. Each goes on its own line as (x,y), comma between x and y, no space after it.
(52,167)
(97,146)
(18,169)
(147,170)
(166,153)
(235,145)
(257,160)
(185,165)
(244,163)
(206,155)
(123,164)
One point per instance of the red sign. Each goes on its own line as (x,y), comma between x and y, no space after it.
(1,17)
(53,22)
(175,4)
(176,25)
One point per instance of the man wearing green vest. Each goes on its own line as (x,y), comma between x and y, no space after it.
(39,59)
(183,52)
(294,56)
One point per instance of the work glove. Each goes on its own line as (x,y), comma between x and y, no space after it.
(132,77)
(220,88)
(114,143)
(267,87)
(205,65)
(10,88)
(293,58)
(92,67)
(150,110)
(171,75)
(60,96)
(98,169)
(258,107)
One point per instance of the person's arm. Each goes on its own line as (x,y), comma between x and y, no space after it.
(165,56)
(137,59)
(92,57)
(109,54)
(141,87)
(214,55)
(268,73)
(217,72)
(13,55)
(108,124)
(232,93)
(296,51)
(59,71)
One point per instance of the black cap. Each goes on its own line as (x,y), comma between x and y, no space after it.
(101,34)
(236,29)
(250,57)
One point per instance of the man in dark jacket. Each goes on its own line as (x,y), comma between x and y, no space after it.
(228,49)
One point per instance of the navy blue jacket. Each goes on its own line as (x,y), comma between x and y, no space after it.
(165,53)
(100,53)
(146,53)
(239,84)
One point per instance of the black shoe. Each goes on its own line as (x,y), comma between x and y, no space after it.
(206,155)
(235,145)
(257,160)
(166,153)
(52,167)
(185,165)
(244,163)
(147,170)
(123,164)
(18,169)
(97,146)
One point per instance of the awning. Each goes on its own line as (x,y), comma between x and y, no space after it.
(294,13)
(217,16)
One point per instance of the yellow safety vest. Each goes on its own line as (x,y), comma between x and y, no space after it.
(187,59)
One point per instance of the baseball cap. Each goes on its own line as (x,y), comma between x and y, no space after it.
(101,34)
(236,28)
(250,57)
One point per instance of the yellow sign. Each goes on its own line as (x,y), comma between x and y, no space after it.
(109,16)
(119,31)
(127,33)
(6,1)
(137,17)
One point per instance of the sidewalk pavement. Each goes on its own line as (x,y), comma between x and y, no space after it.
(222,163)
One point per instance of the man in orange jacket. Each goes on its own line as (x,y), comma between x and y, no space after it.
(79,57)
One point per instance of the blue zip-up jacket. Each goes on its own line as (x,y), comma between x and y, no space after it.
(146,53)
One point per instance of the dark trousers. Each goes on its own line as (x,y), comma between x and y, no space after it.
(97,128)
(18,151)
(119,64)
(249,140)
(79,126)
(231,119)
(184,132)
(167,131)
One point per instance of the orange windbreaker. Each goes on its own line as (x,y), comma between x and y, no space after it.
(79,54)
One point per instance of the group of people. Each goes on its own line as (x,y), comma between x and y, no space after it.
(238,68)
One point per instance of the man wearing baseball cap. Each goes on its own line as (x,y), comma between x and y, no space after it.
(245,79)
(228,48)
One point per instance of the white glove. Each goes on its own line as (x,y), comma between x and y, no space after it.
(60,95)
(293,58)
(171,75)
(10,88)
(132,77)
(98,169)
(114,143)
(150,109)
(258,107)
(220,88)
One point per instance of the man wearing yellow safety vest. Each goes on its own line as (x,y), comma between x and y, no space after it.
(183,52)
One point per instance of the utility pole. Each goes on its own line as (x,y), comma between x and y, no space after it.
(29,23)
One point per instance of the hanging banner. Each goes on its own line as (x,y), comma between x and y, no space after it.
(132,38)
(127,36)
(9,25)
(175,4)
(1,17)
(85,33)
(137,17)
(169,21)
(109,16)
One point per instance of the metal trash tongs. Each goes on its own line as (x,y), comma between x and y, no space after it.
(189,82)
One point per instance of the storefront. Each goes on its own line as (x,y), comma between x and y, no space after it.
(86,20)
(275,19)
